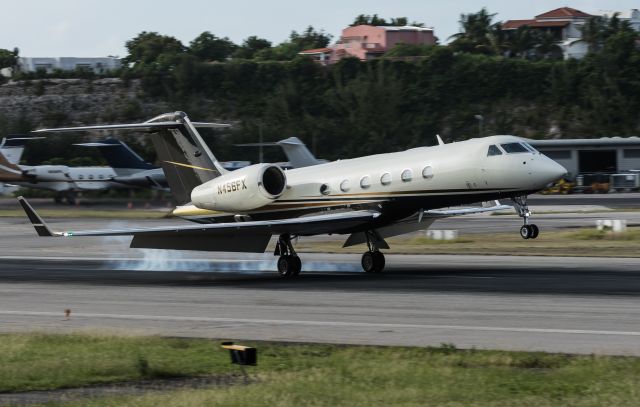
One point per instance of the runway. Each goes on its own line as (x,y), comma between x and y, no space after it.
(576,305)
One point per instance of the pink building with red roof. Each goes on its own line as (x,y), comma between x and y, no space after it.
(367,41)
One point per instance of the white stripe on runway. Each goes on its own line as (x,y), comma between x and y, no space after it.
(323,323)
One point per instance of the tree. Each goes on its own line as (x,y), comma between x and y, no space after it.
(522,41)
(8,59)
(208,47)
(288,50)
(250,46)
(409,50)
(381,22)
(593,32)
(476,30)
(152,49)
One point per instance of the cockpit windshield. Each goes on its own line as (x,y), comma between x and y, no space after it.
(514,148)
(493,150)
(529,147)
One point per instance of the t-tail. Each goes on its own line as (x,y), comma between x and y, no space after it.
(185,158)
(119,155)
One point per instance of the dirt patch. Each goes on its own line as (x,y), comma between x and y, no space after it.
(119,389)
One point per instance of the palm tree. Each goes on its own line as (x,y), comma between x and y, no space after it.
(593,32)
(476,29)
(547,47)
(522,41)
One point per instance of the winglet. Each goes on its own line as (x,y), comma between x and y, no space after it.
(41,227)
(440,142)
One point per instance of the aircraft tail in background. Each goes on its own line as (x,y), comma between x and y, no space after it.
(185,158)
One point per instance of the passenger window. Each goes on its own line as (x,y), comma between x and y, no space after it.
(325,189)
(514,148)
(90,176)
(427,172)
(385,179)
(365,182)
(494,150)
(407,175)
(80,176)
(344,186)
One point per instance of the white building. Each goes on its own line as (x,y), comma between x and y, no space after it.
(566,23)
(97,65)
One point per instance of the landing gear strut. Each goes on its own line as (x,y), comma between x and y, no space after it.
(289,264)
(527,231)
(372,260)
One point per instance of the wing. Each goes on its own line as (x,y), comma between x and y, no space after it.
(445,213)
(252,236)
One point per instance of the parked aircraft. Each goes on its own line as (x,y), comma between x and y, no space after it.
(367,198)
(130,171)
(12,148)
(296,151)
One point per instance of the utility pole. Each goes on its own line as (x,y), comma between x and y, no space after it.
(260,153)
(480,119)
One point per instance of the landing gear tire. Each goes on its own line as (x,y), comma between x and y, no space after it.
(289,264)
(286,266)
(529,231)
(297,263)
(373,262)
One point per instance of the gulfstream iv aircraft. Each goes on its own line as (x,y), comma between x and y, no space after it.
(366,199)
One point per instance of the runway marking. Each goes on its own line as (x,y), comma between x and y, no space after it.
(325,323)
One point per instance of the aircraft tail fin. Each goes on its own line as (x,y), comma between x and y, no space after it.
(185,158)
(12,147)
(296,151)
(119,155)
(9,172)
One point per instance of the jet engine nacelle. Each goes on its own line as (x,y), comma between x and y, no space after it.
(48,173)
(242,190)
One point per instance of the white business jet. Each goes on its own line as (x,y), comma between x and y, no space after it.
(366,199)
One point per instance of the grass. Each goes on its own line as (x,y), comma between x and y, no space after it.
(320,375)
(576,242)
(88,213)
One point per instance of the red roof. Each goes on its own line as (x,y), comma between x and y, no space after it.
(514,24)
(564,12)
(317,51)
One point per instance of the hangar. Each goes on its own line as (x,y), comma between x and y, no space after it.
(606,155)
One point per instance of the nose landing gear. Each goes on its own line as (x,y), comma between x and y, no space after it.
(527,231)
(373,260)
(289,264)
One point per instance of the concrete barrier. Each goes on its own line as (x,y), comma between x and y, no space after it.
(615,225)
(442,234)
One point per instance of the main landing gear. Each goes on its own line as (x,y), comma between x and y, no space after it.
(527,231)
(372,260)
(289,264)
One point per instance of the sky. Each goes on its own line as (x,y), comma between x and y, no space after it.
(91,28)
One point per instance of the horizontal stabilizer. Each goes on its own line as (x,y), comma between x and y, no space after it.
(148,126)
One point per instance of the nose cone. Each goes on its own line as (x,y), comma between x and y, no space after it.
(550,171)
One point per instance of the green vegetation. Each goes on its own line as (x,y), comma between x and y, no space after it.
(319,375)
(514,80)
